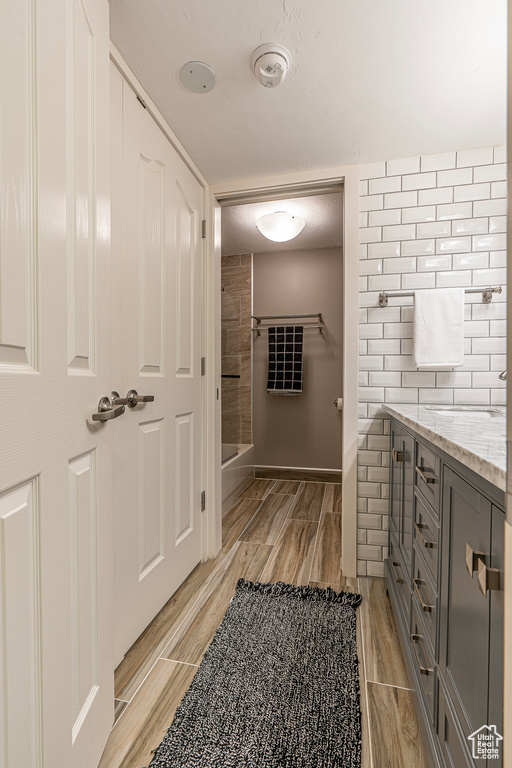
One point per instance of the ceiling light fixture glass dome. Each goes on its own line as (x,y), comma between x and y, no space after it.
(280,226)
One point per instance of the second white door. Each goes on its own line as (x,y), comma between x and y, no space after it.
(157,275)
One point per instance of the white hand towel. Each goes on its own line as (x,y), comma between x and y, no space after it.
(439,328)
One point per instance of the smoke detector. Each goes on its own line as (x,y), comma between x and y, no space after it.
(270,63)
(197,76)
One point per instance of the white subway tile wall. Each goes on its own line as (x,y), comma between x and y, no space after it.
(433,221)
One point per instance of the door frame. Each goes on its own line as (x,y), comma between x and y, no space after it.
(150,106)
(289,185)
(285,184)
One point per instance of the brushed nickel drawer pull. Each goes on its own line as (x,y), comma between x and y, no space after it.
(397,578)
(424,606)
(421,473)
(426,544)
(423,670)
(398,456)
(472,558)
(488,578)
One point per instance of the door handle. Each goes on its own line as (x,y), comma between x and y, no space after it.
(106,411)
(133,398)
(398,456)
(423,670)
(418,527)
(117,399)
(421,473)
(394,566)
(472,559)
(424,606)
(488,578)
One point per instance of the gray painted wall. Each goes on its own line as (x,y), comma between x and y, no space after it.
(305,430)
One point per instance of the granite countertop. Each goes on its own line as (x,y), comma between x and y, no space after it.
(476,439)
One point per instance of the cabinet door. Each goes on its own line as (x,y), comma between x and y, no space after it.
(495,716)
(395,480)
(464,647)
(454,747)
(407,499)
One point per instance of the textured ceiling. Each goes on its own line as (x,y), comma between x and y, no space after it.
(323,229)
(370,79)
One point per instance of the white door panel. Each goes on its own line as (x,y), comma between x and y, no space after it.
(157,212)
(55,475)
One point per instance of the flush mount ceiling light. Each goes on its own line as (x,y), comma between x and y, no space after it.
(280,226)
(270,63)
(197,76)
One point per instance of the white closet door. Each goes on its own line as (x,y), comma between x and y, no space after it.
(157,212)
(56,686)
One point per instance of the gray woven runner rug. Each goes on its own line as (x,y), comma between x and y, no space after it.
(277,688)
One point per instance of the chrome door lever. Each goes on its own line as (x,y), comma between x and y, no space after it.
(106,412)
(133,398)
(117,399)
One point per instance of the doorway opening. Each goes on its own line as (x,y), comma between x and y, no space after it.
(281,343)
(343,180)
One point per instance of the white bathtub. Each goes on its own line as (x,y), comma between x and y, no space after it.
(237,473)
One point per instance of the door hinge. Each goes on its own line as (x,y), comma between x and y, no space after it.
(203,366)
(141,101)
(203,501)
(203,228)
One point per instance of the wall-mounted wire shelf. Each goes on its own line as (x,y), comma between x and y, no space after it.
(258,327)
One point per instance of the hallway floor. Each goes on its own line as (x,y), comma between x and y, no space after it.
(276,531)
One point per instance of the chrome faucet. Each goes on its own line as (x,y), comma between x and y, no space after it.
(503,375)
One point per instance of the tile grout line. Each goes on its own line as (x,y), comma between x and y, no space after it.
(124,709)
(258,508)
(322,512)
(286,520)
(186,618)
(180,625)
(294,504)
(390,685)
(316,537)
(290,480)
(370,746)
(177,661)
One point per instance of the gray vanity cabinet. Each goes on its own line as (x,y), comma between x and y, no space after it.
(444,574)
(468,620)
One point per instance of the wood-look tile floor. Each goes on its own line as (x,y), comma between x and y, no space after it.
(277,531)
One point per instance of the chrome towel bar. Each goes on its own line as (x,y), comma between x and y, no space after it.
(486,294)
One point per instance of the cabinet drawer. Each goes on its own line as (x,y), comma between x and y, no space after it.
(400,578)
(423,662)
(428,474)
(426,536)
(425,596)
